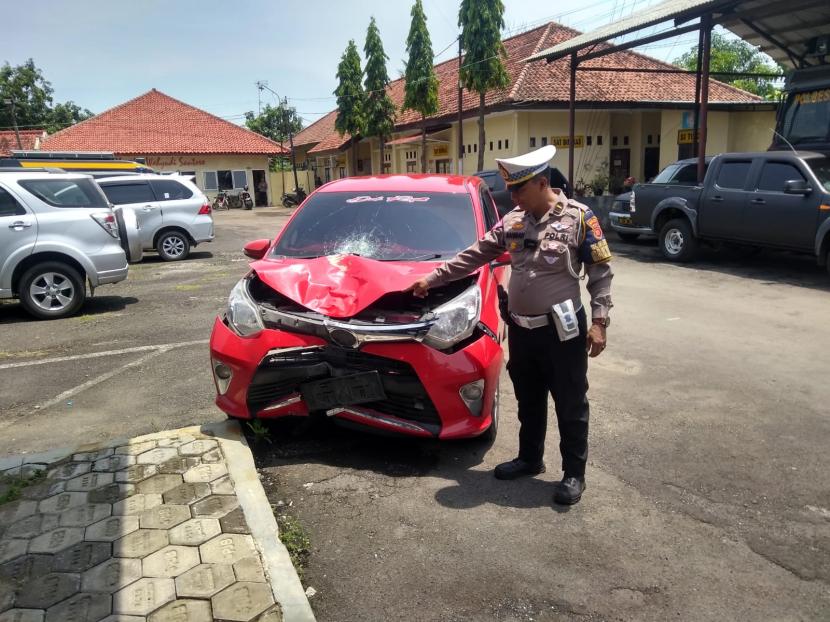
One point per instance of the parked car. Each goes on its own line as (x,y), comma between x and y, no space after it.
(495,182)
(778,199)
(58,232)
(173,213)
(321,324)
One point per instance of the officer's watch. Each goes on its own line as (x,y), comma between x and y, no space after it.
(602,321)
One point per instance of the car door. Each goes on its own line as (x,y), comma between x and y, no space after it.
(18,233)
(722,213)
(776,218)
(137,195)
(179,206)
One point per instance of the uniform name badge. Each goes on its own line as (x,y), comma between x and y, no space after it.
(564,316)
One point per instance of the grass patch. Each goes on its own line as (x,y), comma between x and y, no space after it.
(12,487)
(23,354)
(260,431)
(295,539)
(187,288)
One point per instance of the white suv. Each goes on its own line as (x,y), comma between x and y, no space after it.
(172,212)
(58,232)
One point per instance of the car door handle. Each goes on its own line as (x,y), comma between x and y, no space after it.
(717,199)
(17,226)
(148,208)
(758,201)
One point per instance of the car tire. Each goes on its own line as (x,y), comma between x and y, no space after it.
(678,241)
(173,246)
(52,290)
(628,237)
(489,436)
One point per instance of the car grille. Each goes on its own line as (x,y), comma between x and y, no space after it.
(280,374)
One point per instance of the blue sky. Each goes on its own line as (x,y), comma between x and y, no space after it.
(211,53)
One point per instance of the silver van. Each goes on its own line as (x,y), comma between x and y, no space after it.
(58,233)
(174,215)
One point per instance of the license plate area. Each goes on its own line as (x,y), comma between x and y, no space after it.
(343,391)
(624,220)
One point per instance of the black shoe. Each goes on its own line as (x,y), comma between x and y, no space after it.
(517,468)
(569,490)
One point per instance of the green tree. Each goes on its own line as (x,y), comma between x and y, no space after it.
(275,122)
(481,22)
(421,89)
(737,56)
(350,98)
(66,114)
(380,111)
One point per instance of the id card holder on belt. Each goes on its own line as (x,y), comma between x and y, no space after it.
(564,316)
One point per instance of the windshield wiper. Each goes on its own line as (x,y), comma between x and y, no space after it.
(426,257)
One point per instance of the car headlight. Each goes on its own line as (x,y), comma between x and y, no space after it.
(455,320)
(242,313)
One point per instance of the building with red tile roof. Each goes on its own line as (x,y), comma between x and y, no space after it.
(29,140)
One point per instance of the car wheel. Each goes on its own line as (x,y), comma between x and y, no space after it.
(489,435)
(173,246)
(628,237)
(52,290)
(677,241)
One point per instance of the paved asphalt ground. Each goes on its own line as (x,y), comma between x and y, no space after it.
(707,496)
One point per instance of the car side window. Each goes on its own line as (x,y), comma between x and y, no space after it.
(687,175)
(126,193)
(170,190)
(775,175)
(9,205)
(732,175)
(488,206)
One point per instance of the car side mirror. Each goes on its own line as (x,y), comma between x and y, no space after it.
(797,186)
(257,248)
(501,260)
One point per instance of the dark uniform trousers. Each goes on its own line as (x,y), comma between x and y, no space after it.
(541,363)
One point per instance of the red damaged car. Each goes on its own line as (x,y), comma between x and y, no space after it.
(321,325)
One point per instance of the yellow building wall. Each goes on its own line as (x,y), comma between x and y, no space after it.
(751,131)
(497,127)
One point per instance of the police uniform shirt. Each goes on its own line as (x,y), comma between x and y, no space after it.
(546,255)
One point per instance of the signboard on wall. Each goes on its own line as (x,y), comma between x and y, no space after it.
(686,137)
(562,141)
(173,161)
(440,151)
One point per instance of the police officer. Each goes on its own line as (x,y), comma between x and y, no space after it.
(549,238)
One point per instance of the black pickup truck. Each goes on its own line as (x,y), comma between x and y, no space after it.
(777,199)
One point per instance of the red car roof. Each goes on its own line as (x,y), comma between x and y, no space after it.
(402,183)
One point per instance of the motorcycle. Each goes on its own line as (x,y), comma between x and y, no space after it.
(221,201)
(245,199)
(290,199)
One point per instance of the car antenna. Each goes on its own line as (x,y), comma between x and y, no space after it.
(781,136)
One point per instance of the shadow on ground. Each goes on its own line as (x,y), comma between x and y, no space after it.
(12,312)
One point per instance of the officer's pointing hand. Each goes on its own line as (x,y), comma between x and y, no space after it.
(596,340)
(419,288)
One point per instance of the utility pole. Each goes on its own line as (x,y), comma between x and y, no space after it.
(10,103)
(460,170)
(287,121)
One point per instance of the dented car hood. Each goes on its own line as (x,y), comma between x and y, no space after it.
(339,286)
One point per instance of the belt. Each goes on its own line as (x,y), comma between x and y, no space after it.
(530,321)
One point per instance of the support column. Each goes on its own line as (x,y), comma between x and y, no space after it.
(706,28)
(572,121)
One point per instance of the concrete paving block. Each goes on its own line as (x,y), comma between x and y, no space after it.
(234,522)
(113,463)
(250,569)
(242,601)
(176,441)
(136,504)
(69,470)
(123,618)
(85,515)
(214,506)
(171,561)
(45,489)
(143,596)
(111,493)
(164,516)
(56,540)
(213,456)
(178,465)
(16,510)
(140,543)
(10,462)
(32,526)
(111,529)
(30,470)
(158,455)
(205,473)
(272,614)
(23,615)
(48,590)
(227,548)
(92,456)
(183,610)
(48,457)
(111,576)
(81,608)
(7,591)
(197,447)
(136,473)
(160,483)
(62,502)
(204,580)
(222,486)
(133,449)
(89,481)
(196,531)
(81,557)
(187,493)
(26,567)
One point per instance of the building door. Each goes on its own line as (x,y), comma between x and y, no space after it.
(443,167)
(651,163)
(260,188)
(619,169)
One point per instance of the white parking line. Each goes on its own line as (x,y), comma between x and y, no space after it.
(92,355)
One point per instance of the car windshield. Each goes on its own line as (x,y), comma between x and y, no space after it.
(387,226)
(821,167)
(807,116)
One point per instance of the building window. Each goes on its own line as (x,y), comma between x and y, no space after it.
(211,183)
(588,140)
(475,147)
(491,145)
(649,139)
(410,167)
(225,180)
(599,140)
(544,141)
(506,144)
(469,149)
(532,142)
(240,179)
(614,141)
(625,140)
